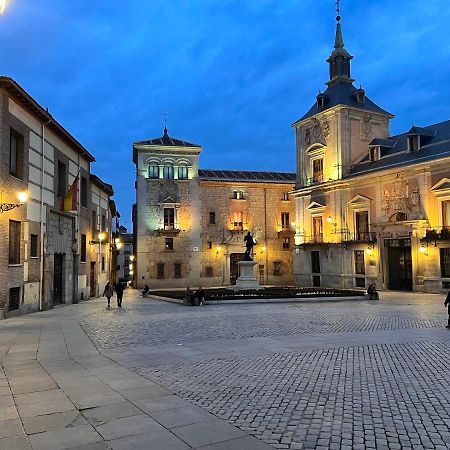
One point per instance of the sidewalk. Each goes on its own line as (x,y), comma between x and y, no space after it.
(58,391)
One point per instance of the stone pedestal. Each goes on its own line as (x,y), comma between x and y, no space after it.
(247,278)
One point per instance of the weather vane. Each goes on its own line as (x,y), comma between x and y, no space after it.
(165,119)
(338,10)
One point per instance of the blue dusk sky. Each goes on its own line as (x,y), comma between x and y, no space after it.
(232,75)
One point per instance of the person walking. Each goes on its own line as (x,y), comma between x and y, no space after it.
(447,304)
(108,293)
(119,291)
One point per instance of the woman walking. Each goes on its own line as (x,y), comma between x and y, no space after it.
(108,293)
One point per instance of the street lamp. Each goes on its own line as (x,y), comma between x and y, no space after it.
(21,196)
(3,4)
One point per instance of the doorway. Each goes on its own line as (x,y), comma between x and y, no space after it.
(92,283)
(234,268)
(400,264)
(315,268)
(58,298)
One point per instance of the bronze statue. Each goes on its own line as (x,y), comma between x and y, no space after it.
(249,244)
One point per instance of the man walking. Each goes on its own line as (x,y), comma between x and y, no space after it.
(119,291)
(447,303)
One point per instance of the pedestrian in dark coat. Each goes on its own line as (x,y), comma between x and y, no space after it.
(447,304)
(119,291)
(108,292)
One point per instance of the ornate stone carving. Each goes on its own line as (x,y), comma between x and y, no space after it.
(326,129)
(399,200)
(308,137)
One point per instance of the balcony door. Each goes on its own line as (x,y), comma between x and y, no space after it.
(362,225)
(317,229)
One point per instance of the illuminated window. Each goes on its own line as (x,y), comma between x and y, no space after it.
(446,213)
(317,229)
(374,153)
(317,169)
(362,225)
(169,218)
(238,195)
(286,243)
(169,243)
(237,221)
(285,221)
(285,196)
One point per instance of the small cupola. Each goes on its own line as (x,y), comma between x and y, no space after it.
(322,100)
(360,95)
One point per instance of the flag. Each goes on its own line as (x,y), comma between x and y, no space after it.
(70,199)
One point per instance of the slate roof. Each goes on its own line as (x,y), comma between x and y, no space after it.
(167,141)
(342,93)
(437,145)
(246,176)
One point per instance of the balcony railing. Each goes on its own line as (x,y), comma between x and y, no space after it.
(359,236)
(314,239)
(437,234)
(314,180)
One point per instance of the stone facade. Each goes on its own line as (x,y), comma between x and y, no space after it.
(370,207)
(189,224)
(36,237)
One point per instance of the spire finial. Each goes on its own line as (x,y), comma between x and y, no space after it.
(165,123)
(338,10)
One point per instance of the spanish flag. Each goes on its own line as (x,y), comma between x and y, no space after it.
(69,202)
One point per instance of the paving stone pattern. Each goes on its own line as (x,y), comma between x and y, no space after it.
(109,332)
(380,396)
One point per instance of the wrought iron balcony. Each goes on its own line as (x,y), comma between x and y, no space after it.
(314,180)
(359,236)
(437,234)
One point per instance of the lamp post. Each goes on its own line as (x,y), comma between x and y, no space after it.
(21,196)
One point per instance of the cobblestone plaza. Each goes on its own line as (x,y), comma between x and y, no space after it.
(346,375)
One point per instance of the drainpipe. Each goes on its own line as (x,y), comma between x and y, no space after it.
(41,223)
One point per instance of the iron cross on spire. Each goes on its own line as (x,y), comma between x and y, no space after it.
(165,118)
(338,10)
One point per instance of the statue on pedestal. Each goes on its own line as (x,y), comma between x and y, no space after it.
(249,244)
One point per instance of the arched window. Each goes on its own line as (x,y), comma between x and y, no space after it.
(182,172)
(153,171)
(168,171)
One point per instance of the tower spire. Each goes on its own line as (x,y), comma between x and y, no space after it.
(340,58)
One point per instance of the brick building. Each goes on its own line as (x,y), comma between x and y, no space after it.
(38,241)
(189,223)
(370,207)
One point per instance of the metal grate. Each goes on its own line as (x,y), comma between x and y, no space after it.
(14,299)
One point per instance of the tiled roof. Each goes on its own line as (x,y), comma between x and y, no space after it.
(247,176)
(342,93)
(436,145)
(167,141)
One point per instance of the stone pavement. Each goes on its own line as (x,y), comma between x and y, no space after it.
(156,375)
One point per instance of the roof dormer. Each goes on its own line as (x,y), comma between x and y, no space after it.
(322,100)
(374,152)
(360,95)
(418,137)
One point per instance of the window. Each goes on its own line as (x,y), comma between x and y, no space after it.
(320,101)
(182,173)
(277,268)
(238,195)
(209,272)
(317,229)
(286,196)
(446,213)
(209,244)
(160,270)
(360,268)
(374,153)
(237,221)
(94,223)
(177,272)
(103,263)
(285,221)
(84,192)
(62,177)
(315,262)
(413,142)
(153,171)
(168,172)
(83,249)
(360,96)
(14,242)
(317,166)
(212,218)
(15,154)
(445,262)
(169,243)
(34,246)
(169,218)
(103,222)
(14,299)
(286,243)
(362,225)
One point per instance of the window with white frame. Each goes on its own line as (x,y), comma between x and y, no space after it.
(153,171)
(168,171)
(182,172)
(169,218)
(317,170)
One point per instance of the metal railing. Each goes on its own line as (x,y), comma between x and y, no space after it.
(359,236)
(437,234)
